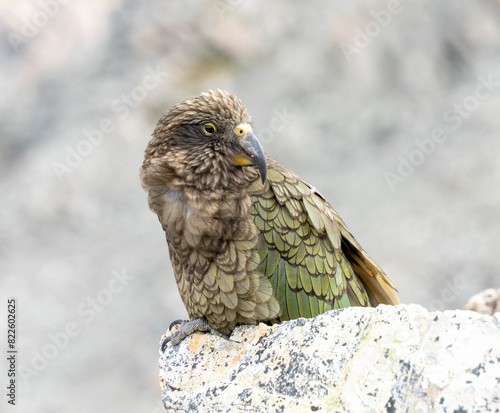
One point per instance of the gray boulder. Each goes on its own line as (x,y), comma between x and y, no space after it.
(384,359)
(485,302)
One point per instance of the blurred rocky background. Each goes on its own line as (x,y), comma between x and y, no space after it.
(391,109)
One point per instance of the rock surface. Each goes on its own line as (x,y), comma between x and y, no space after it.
(388,359)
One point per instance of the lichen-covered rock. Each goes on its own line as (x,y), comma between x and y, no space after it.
(387,359)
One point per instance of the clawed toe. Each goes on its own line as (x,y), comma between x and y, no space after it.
(176,322)
(170,337)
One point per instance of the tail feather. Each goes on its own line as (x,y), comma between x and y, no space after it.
(378,286)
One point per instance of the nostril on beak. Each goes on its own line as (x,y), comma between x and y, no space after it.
(242,130)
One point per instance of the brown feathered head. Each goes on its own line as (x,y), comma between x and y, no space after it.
(207,141)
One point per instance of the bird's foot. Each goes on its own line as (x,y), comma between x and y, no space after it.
(187,328)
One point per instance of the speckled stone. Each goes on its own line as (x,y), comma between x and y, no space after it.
(486,302)
(388,359)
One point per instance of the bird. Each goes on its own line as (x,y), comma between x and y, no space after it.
(249,240)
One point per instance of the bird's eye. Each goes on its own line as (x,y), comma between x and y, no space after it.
(209,129)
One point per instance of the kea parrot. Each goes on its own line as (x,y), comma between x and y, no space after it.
(249,240)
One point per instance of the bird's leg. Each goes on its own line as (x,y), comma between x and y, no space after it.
(187,328)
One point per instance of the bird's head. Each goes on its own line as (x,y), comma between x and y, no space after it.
(208,141)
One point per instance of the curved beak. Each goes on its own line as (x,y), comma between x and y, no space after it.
(253,149)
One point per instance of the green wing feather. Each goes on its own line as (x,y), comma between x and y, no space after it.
(313,262)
